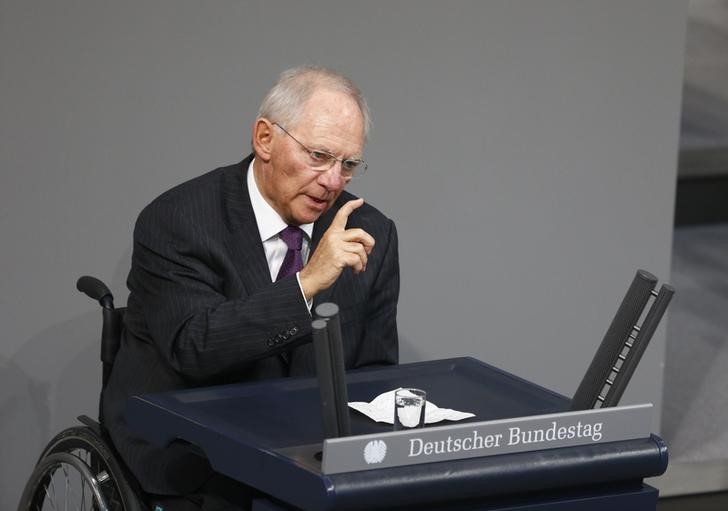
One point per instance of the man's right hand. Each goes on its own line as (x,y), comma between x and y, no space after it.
(339,248)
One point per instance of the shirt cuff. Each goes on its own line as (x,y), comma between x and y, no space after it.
(309,303)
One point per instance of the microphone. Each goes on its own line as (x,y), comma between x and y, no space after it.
(329,353)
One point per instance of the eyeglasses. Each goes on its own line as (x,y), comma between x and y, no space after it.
(321,161)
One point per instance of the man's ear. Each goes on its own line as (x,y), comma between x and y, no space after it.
(263,139)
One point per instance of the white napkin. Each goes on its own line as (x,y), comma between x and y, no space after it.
(381,409)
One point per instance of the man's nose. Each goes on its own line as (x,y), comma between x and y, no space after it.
(332,178)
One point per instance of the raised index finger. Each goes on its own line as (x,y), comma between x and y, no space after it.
(342,215)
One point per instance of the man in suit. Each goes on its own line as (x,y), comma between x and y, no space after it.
(227,267)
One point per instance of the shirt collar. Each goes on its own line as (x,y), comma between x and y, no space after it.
(269,221)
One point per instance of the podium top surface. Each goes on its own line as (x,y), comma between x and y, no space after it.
(281,413)
(266,432)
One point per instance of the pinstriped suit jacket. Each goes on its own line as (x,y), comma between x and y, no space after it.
(203,310)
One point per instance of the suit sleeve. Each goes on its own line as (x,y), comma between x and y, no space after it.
(178,283)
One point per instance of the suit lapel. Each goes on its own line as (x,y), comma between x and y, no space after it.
(244,241)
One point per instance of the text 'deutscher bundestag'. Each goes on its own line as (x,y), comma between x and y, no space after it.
(489,438)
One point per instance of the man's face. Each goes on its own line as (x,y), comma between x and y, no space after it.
(331,122)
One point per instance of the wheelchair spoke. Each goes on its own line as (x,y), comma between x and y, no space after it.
(53,490)
(65,494)
(69,489)
(50,498)
(69,499)
(83,493)
(85,456)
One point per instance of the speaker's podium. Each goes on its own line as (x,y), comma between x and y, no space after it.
(523,450)
(526,448)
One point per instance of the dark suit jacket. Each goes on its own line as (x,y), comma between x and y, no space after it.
(203,310)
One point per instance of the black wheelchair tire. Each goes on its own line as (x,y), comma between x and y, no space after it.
(85,444)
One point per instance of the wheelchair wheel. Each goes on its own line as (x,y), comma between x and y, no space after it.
(77,472)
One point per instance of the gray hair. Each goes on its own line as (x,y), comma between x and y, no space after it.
(285,101)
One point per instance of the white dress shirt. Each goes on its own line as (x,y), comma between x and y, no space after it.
(270,224)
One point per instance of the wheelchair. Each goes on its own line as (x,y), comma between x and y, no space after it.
(79,469)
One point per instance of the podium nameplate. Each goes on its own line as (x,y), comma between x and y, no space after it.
(487,438)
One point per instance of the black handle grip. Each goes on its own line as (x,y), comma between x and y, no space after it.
(94,288)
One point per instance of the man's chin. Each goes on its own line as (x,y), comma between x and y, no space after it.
(308,216)
(312,210)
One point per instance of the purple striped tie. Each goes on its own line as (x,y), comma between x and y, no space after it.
(293,262)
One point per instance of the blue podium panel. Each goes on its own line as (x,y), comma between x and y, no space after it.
(641,498)
(267,435)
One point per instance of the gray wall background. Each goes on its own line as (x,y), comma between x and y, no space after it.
(526,150)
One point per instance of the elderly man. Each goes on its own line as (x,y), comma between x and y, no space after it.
(227,267)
